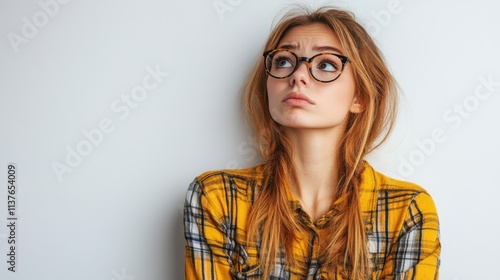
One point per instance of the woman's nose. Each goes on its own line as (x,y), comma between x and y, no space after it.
(301,75)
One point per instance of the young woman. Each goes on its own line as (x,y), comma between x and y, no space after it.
(320,100)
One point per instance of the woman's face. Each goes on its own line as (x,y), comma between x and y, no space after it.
(300,101)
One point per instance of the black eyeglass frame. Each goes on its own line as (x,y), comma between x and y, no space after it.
(308,60)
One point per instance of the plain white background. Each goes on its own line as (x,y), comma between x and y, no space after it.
(115,211)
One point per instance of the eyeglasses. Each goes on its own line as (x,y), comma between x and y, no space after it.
(324,67)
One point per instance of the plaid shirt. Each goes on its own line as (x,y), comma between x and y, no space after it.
(400,218)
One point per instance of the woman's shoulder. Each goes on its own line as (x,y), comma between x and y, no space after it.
(229,179)
(219,191)
(381,193)
(215,176)
(373,180)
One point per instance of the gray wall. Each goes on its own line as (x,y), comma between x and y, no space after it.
(109,109)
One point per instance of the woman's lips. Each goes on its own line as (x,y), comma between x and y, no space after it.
(295,98)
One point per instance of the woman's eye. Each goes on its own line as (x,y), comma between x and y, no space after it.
(282,62)
(327,66)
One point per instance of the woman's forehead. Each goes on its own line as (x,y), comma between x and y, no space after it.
(316,37)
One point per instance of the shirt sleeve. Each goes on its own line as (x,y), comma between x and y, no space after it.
(415,254)
(205,256)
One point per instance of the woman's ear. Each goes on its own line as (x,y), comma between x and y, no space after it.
(356,106)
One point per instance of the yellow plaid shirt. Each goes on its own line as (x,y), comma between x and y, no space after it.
(401,225)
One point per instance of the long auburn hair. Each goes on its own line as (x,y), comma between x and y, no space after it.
(271,219)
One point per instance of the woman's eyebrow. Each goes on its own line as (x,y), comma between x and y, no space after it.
(294,47)
(326,48)
(288,47)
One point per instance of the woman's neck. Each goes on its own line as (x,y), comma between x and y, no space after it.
(315,158)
